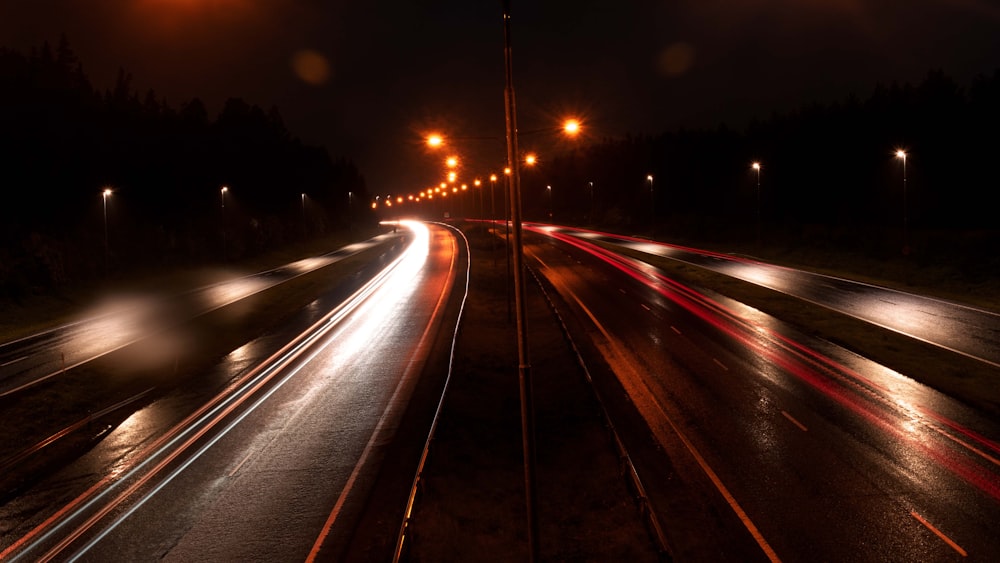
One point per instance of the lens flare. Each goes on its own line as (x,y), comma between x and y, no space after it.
(311,67)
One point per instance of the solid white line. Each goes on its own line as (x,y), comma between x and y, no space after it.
(412,371)
(721,365)
(14,361)
(707,469)
(795,422)
(939,534)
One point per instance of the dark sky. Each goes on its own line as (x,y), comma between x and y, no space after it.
(391,70)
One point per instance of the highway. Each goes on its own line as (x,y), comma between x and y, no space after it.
(275,465)
(757,442)
(972,332)
(121,321)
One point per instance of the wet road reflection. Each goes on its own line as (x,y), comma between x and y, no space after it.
(953,326)
(259,468)
(118,323)
(816,452)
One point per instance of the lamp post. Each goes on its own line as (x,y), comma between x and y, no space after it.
(652,199)
(524,365)
(549,189)
(304,231)
(222,213)
(479,188)
(104,197)
(591,202)
(493,185)
(901,154)
(756,167)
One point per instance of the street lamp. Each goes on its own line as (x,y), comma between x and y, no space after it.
(222,211)
(350,211)
(305,231)
(652,198)
(549,189)
(591,202)
(434,140)
(901,154)
(524,363)
(571,127)
(104,197)
(479,185)
(756,167)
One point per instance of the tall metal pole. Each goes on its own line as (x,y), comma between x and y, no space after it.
(107,260)
(222,213)
(652,201)
(756,167)
(906,237)
(524,366)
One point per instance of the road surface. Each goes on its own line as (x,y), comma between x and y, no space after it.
(767,444)
(28,361)
(276,465)
(959,328)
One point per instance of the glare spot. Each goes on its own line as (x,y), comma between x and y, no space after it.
(676,59)
(311,67)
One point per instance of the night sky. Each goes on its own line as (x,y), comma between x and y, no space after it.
(367,79)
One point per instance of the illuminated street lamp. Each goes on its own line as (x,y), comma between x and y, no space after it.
(493,185)
(756,167)
(524,364)
(652,198)
(571,127)
(451,161)
(304,231)
(104,197)
(530,159)
(222,207)
(434,140)
(479,184)
(901,154)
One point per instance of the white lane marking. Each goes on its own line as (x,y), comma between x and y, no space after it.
(939,534)
(721,365)
(14,361)
(795,422)
(707,469)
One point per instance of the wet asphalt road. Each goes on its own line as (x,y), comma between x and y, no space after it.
(767,444)
(277,465)
(965,330)
(123,320)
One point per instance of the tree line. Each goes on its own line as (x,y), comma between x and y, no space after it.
(826,170)
(63,142)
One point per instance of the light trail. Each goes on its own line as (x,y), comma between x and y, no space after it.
(84,512)
(852,390)
(109,331)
